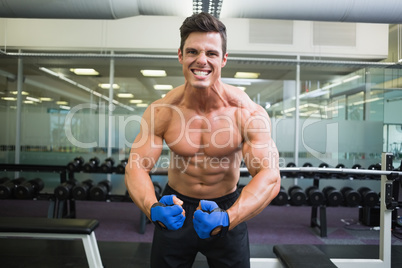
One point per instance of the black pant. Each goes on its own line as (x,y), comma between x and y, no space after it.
(178,248)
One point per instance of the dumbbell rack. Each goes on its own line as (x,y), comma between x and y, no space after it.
(56,208)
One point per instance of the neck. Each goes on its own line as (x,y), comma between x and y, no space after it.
(205,99)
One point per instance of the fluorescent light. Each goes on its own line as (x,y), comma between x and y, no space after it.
(61,102)
(163,95)
(33,99)
(84,71)
(135,101)
(46,99)
(247,75)
(107,86)
(9,98)
(22,93)
(125,95)
(28,102)
(351,78)
(242,88)
(142,105)
(154,73)
(163,87)
(65,107)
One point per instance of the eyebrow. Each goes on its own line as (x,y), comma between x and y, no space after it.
(210,50)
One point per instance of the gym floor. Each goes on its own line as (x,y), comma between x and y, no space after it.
(121,245)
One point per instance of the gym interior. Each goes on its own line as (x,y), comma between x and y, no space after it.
(75,79)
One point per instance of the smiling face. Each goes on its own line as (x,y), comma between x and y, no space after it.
(202,59)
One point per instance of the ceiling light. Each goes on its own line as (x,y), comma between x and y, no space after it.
(84,71)
(154,73)
(351,78)
(163,87)
(22,93)
(107,86)
(28,102)
(142,105)
(9,98)
(163,95)
(247,75)
(65,107)
(135,101)
(125,95)
(242,88)
(33,99)
(46,99)
(61,102)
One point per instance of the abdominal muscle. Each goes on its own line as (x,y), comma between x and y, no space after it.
(204,177)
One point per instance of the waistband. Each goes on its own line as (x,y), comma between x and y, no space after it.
(223,199)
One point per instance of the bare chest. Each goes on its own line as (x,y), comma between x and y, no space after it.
(216,134)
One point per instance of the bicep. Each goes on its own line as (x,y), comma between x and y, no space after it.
(259,150)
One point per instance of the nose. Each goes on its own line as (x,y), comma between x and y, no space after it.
(202,59)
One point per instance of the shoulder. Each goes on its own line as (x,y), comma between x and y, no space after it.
(160,112)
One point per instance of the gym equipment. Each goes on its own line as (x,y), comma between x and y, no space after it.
(76,164)
(297,196)
(291,174)
(107,165)
(100,191)
(315,197)
(81,191)
(340,175)
(333,197)
(64,190)
(7,188)
(358,175)
(351,197)
(324,174)
(4,179)
(369,197)
(374,167)
(121,168)
(29,189)
(92,164)
(307,173)
(282,198)
(45,228)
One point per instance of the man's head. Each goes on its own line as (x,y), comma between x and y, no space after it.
(202,22)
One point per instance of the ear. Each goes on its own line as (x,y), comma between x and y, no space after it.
(180,54)
(224,60)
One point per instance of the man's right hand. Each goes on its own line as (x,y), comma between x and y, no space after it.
(168,212)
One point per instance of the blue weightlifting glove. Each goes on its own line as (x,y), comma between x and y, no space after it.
(167,213)
(209,217)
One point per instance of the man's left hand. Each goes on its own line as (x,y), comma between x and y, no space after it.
(210,220)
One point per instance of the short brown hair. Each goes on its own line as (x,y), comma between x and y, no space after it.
(202,22)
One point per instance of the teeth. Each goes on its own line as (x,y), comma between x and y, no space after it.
(201,73)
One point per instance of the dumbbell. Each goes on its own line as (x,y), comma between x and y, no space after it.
(297,196)
(351,197)
(4,179)
(340,175)
(76,164)
(8,186)
(81,191)
(333,197)
(282,198)
(290,174)
(323,174)
(307,174)
(64,190)
(374,167)
(100,191)
(315,197)
(92,164)
(28,189)
(121,168)
(107,165)
(369,197)
(358,176)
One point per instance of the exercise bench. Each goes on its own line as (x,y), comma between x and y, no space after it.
(52,228)
(302,256)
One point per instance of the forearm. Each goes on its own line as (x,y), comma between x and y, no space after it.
(255,196)
(141,189)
